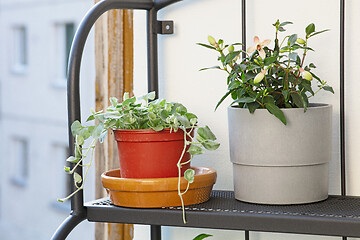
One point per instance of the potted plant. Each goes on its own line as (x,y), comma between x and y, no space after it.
(280,145)
(155,139)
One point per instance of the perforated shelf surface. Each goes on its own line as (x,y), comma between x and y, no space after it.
(337,216)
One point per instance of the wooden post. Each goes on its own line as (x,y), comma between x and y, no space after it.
(114,76)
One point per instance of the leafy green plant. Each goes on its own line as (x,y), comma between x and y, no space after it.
(139,113)
(271,78)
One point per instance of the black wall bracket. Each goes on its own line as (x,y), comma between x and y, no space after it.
(165,27)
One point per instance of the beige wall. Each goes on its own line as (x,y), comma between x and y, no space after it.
(180,59)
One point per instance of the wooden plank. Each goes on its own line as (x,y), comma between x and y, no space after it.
(114,76)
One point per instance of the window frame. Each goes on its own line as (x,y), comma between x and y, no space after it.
(20,49)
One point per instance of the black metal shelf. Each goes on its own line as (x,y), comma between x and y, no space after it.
(336,216)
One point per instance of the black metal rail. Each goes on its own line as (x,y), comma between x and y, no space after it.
(337,216)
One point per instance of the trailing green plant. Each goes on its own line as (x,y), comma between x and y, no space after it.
(271,78)
(139,113)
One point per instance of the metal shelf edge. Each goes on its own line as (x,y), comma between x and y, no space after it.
(240,216)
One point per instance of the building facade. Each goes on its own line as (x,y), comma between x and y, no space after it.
(35,38)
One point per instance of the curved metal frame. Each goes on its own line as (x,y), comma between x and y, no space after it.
(78,211)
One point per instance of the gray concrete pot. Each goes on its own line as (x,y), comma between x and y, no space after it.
(278,164)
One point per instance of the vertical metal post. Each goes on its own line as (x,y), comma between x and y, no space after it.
(342,96)
(152,32)
(153,83)
(342,99)
(247,235)
(243,26)
(155,232)
(243,40)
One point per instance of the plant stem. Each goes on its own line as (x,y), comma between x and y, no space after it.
(184,163)
(179,173)
(83,156)
(283,41)
(304,55)
(72,194)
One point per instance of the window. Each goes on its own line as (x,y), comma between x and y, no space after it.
(20,155)
(69,35)
(20,49)
(64,37)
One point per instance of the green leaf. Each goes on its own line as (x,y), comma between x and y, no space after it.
(84,133)
(269,60)
(310,29)
(207,68)
(316,33)
(76,127)
(250,75)
(79,140)
(158,128)
(223,98)
(307,86)
(244,100)
(234,84)
(252,106)
(164,114)
(128,101)
(195,150)
(189,175)
(293,56)
(90,118)
(206,133)
(190,116)
(77,178)
(193,121)
(98,130)
(78,151)
(152,116)
(269,99)
(102,136)
(114,101)
(285,23)
(67,169)
(288,105)
(276,111)
(207,46)
(305,101)
(210,145)
(312,65)
(202,236)
(285,94)
(126,96)
(180,108)
(72,159)
(328,88)
(148,96)
(183,120)
(292,39)
(297,99)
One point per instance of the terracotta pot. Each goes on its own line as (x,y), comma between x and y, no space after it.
(145,153)
(158,192)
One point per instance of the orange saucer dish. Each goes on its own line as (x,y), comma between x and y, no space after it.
(158,192)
